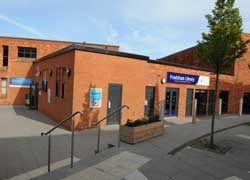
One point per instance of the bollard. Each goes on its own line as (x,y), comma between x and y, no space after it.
(162,108)
(194,112)
(220,107)
(241,107)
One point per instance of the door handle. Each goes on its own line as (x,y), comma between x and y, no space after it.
(109,104)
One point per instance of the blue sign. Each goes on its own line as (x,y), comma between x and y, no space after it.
(95,97)
(180,78)
(21,82)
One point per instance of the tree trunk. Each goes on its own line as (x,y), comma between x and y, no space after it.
(214,108)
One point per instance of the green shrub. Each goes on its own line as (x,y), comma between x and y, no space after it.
(142,121)
(154,118)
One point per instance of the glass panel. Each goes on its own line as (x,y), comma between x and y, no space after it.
(167,106)
(4,85)
(26,52)
(173,108)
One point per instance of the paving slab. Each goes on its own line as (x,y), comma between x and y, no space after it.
(23,150)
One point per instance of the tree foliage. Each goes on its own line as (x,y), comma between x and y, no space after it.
(223,44)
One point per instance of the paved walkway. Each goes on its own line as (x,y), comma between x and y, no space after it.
(23,153)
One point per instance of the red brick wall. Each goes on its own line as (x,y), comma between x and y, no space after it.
(23,67)
(58,108)
(98,70)
(155,72)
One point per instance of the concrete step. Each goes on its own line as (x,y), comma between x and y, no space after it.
(43,170)
(109,165)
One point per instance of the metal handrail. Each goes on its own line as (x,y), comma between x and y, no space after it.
(99,127)
(62,122)
(70,117)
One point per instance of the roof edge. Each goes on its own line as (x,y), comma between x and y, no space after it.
(93,50)
(185,66)
(62,41)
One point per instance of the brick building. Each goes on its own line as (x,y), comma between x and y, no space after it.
(66,74)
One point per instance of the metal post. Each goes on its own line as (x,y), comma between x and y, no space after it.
(220,107)
(241,107)
(119,130)
(49,152)
(98,139)
(72,141)
(194,112)
(162,110)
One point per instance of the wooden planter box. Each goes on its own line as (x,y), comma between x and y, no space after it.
(133,135)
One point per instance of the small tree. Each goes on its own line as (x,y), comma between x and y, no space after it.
(222,45)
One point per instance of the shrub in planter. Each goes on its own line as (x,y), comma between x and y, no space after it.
(142,129)
(142,121)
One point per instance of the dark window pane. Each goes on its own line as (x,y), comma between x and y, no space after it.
(26,52)
(5,61)
(5,56)
(57,88)
(5,50)
(62,91)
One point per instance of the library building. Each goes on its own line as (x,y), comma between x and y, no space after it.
(58,78)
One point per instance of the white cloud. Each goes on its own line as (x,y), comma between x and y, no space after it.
(19,25)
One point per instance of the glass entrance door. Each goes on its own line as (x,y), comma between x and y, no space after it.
(201,96)
(172,99)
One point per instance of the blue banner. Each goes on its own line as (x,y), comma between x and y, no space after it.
(21,82)
(180,78)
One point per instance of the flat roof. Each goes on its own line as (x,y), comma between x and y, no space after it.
(91,49)
(49,40)
(121,54)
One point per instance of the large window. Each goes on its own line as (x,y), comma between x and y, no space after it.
(60,82)
(25,52)
(5,56)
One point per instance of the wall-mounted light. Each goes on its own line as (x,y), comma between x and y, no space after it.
(38,72)
(163,80)
(68,72)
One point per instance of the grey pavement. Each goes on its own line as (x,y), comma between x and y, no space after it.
(22,150)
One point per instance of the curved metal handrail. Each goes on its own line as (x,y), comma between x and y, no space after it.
(112,113)
(99,127)
(70,117)
(62,122)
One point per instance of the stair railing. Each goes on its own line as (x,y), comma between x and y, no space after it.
(99,127)
(70,117)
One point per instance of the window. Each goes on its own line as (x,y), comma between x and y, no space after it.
(60,82)
(45,81)
(5,56)
(4,87)
(24,52)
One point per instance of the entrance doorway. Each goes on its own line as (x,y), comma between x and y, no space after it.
(210,102)
(201,96)
(149,101)
(114,102)
(224,96)
(172,99)
(246,103)
(189,102)
(34,93)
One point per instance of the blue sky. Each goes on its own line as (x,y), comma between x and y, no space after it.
(150,27)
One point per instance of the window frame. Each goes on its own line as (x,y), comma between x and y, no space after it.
(5,56)
(26,52)
(60,84)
